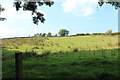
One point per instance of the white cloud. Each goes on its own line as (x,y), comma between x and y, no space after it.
(10,12)
(4,33)
(80,7)
(24,15)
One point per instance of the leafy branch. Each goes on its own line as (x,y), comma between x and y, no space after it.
(115,3)
(32,6)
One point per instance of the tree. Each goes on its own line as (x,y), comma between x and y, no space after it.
(55,35)
(40,35)
(80,34)
(49,34)
(32,6)
(109,32)
(43,34)
(35,35)
(115,3)
(1,10)
(63,32)
(29,36)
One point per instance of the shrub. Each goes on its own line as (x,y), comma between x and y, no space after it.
(69,47)
(11,47)
(16,47)
(118,44)
(60,51)
(51,44)
(46,52)
(33,53)
(109,32)
(96,47)
(109,44)
(29,54)
(36,47)
(43,45)
(75,50)
(57,44)
(42,48)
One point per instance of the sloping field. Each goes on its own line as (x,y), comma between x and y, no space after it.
(56,44)
(84,58)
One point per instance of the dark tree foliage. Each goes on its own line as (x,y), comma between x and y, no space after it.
(43,35)
(1,10)
(49,34)
(32,6)
(38,16)
(63,32)
(115,3)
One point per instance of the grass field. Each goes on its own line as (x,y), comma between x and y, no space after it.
(56,44)
(85,57)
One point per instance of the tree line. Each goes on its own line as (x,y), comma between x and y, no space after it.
(108,32)
(64,32)
(49,34)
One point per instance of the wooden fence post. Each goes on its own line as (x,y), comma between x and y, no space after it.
(18,66)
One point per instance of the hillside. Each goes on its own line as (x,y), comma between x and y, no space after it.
(56,44)
(83,57)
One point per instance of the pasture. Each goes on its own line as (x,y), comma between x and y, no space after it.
(85,57)
(56,44)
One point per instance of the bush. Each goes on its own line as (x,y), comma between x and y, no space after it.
(46,52)
(60,51)
(109,32)
(69,47)
(43,45)
(29,54)
(109,44)
(36,47)
(75,50)
(80,34)
(10,47)
(42,48)
(16,47)
(118,44)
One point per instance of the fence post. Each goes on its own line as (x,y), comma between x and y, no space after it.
(18,66)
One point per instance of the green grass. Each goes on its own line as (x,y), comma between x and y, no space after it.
(96,58)
(56,44)
(82,64)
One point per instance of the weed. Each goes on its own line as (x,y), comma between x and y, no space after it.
(109,44)
(75,50)
(44,54)
(29,54)
(42,48)
(36,47)
(69,47)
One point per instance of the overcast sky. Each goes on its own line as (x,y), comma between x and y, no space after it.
(77,16)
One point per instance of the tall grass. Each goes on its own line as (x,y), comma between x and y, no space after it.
(82,64)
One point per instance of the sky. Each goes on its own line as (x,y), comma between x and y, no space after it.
(77,16)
